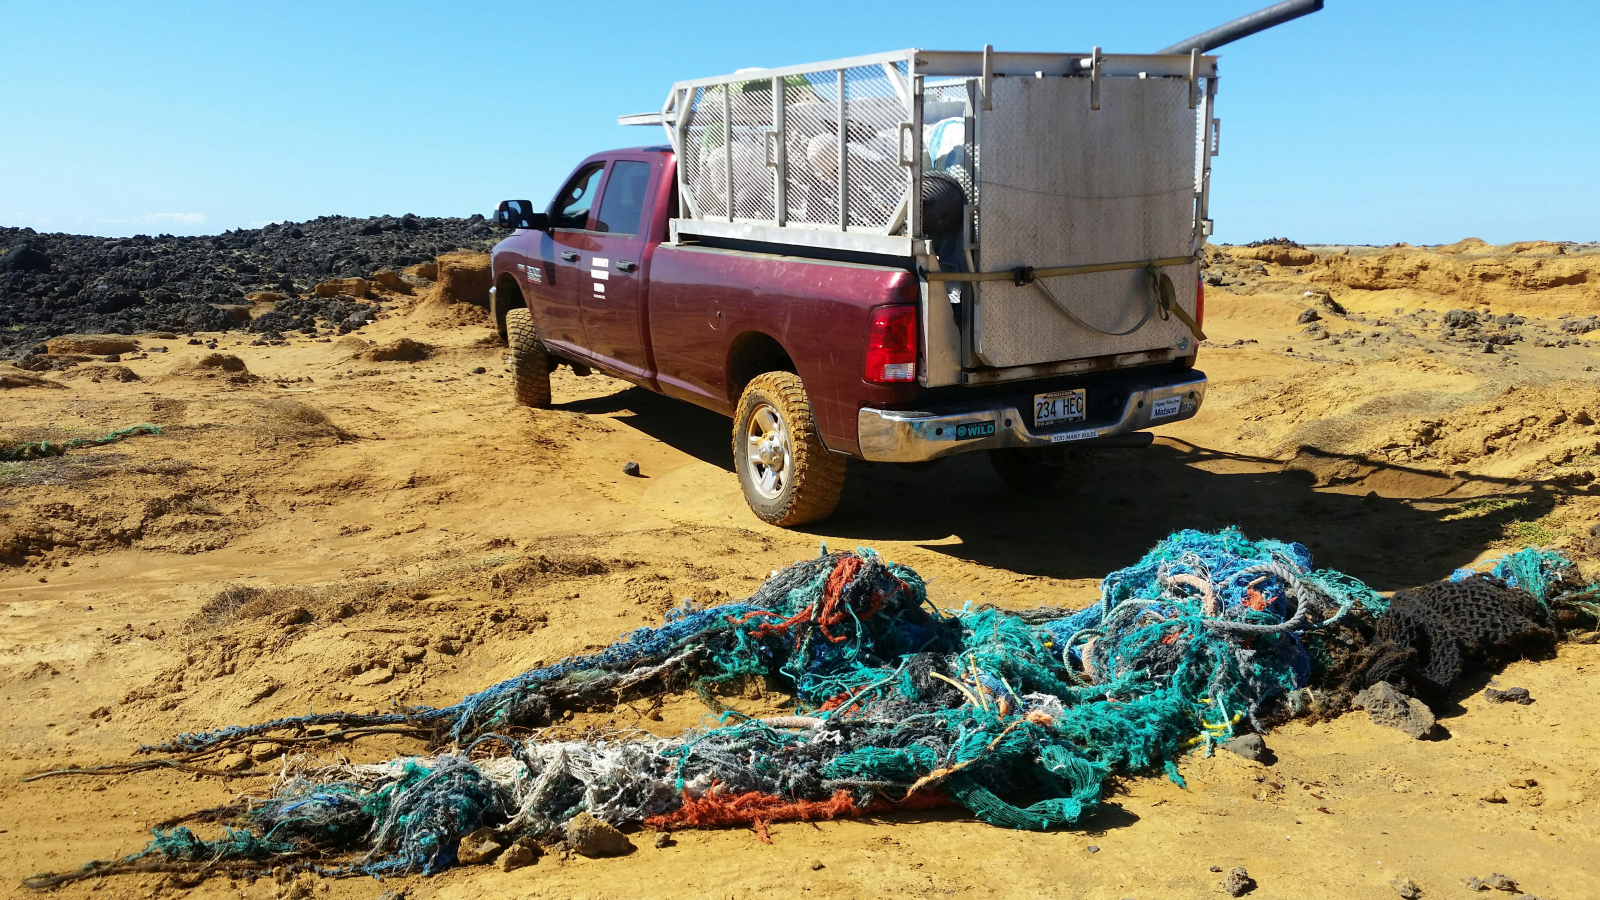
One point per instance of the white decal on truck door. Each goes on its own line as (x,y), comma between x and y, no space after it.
(600,262)
(600,274)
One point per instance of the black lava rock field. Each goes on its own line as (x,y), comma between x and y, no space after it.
(55,284)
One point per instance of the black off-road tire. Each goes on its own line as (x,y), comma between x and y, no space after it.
(812,478)
(1035,473)
(530,364)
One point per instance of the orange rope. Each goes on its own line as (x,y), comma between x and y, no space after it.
(720,808)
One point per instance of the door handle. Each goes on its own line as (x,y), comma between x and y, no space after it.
(569,256)
(626,266)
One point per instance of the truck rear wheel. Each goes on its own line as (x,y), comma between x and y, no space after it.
(788,476)
(530,364)
(1040,472)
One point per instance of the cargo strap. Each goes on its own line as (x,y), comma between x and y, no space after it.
(1161,290)
(1022,275)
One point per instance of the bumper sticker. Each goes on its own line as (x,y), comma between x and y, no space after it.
(1084,434)
(1166,406)
(974,430)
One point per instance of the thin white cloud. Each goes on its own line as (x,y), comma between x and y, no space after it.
(184,218)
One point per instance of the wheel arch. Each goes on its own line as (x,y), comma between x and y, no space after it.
(754,353)
(506,297)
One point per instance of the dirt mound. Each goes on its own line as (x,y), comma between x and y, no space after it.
(11,377)
(464,278)
(225,366)
(1277,254)
(343,287)
(101,373)
(91,344)
(399,350)
(1465,245)
(1531,278)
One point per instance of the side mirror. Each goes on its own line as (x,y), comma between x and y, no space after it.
(520,214)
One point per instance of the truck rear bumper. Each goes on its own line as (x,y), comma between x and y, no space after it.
(899,436)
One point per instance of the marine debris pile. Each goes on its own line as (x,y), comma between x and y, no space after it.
(1018,717)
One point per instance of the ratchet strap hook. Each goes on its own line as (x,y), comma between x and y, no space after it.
(1167,300)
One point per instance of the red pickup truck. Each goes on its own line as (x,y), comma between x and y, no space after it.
(815,357)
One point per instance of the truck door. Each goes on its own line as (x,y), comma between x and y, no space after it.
(612,294)
(561,324)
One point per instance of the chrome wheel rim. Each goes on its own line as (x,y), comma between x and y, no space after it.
(769,452)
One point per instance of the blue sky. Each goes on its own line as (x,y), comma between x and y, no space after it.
(1369,122)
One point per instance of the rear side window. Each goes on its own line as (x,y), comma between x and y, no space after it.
(576,199)
(623,206)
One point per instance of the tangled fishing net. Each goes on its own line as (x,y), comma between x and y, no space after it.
(1019,717)
(43,449)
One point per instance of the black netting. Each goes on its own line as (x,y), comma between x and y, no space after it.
(1432,635)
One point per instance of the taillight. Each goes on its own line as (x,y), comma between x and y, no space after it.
(1200,305)
(892,345)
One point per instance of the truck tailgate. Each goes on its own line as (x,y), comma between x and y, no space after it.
(1061,184)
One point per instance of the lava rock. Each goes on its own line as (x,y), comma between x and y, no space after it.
(1388,706)
(478,847)
(24,258)
(1307,317)
(479,370)
(1249,746)
(1518,695)
(1406,888)
(592,837)
(1238,882)
(55,284)
(663,840)
(1460,318)
(517,856)
(1500,882)
(630,468)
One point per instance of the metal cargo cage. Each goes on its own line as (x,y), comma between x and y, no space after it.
(1083,182)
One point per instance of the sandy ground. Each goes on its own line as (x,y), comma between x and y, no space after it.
(332,532)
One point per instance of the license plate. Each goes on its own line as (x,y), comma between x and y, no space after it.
(1058,406)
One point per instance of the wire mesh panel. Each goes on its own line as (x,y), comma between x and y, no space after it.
(750,104)
(877,105)
(1066,185)
(703,159)
(811,136)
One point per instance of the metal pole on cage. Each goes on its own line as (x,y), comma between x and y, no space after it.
(844,157)
(914,201)
(727,142)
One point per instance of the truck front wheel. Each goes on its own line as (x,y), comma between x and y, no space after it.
(788,476)
(530,364)
(1040,472)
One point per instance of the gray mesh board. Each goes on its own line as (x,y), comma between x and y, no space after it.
(1060,184)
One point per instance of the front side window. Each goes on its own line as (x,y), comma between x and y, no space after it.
(576,199)
(623,206)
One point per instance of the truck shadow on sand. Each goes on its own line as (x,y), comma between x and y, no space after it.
(1391,525)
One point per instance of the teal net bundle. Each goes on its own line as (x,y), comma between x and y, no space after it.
(43,449)
(1018,716)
